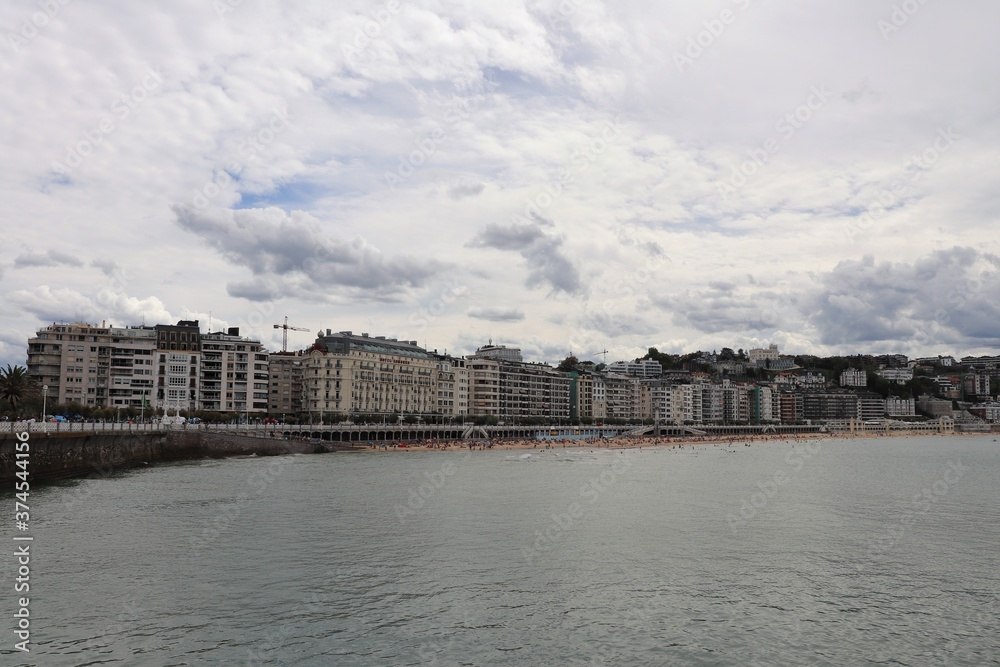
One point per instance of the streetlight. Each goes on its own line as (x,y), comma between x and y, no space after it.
(45,397)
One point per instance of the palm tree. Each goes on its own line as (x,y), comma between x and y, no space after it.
(15,386)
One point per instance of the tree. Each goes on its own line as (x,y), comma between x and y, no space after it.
(15,386)
(568,364)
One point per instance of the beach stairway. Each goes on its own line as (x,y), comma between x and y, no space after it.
(471,431)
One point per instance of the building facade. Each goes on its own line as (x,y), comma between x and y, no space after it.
(96,366)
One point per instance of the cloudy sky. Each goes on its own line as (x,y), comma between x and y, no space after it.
(562,176)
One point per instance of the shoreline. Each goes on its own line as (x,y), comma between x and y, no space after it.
(640,442)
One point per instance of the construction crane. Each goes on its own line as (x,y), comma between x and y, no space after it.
(284,333)
(605,353)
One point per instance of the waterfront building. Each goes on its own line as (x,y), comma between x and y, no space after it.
(284,377)
(686,404)
(623,397)
(451,387)
(711,402)
(791,407)
(96,366)
(870,406)
(510,391)
(234,375)
(348,375)
(823,406)
(657,400)
(178,365)
(581,392)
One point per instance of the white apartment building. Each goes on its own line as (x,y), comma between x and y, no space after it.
(646,369)
(854,377)
(234,373)
(898,375)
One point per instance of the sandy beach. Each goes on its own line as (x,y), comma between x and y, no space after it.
(623,442)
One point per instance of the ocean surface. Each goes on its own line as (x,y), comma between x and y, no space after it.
(838,552)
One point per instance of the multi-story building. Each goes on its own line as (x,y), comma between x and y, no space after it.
(900,407)
(484,387)
(510,391)
(452,387)
(899,375)
(987,411)
(791,408)
(657,400)
(581,393)
(284,377)
(686,404)
(892,360)
(533,390)
(498,352)
(981,363)
(821,406)
(178,365)
(762,405)
(854,377)
(735,403)
(934,361)
(98,366)
(623,397)
(949,386)
(758,356)
(233,373)
(348,375)
(711,403)
(870,406)
(976,385)
(642,368)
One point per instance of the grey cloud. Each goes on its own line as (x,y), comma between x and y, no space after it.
(465,190)
(614,324)
(48,259)
(728,307)
(293,248)
(507,237)
(255,290)
(107,266)
(548,264)
(496,314)
(949,296)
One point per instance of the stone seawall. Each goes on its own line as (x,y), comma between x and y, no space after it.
(58,456)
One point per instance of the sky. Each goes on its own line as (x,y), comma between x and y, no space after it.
(563,176)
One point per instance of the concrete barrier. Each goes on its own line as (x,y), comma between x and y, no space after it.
(64,455)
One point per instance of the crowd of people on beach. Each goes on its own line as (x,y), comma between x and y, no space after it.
(619,442)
